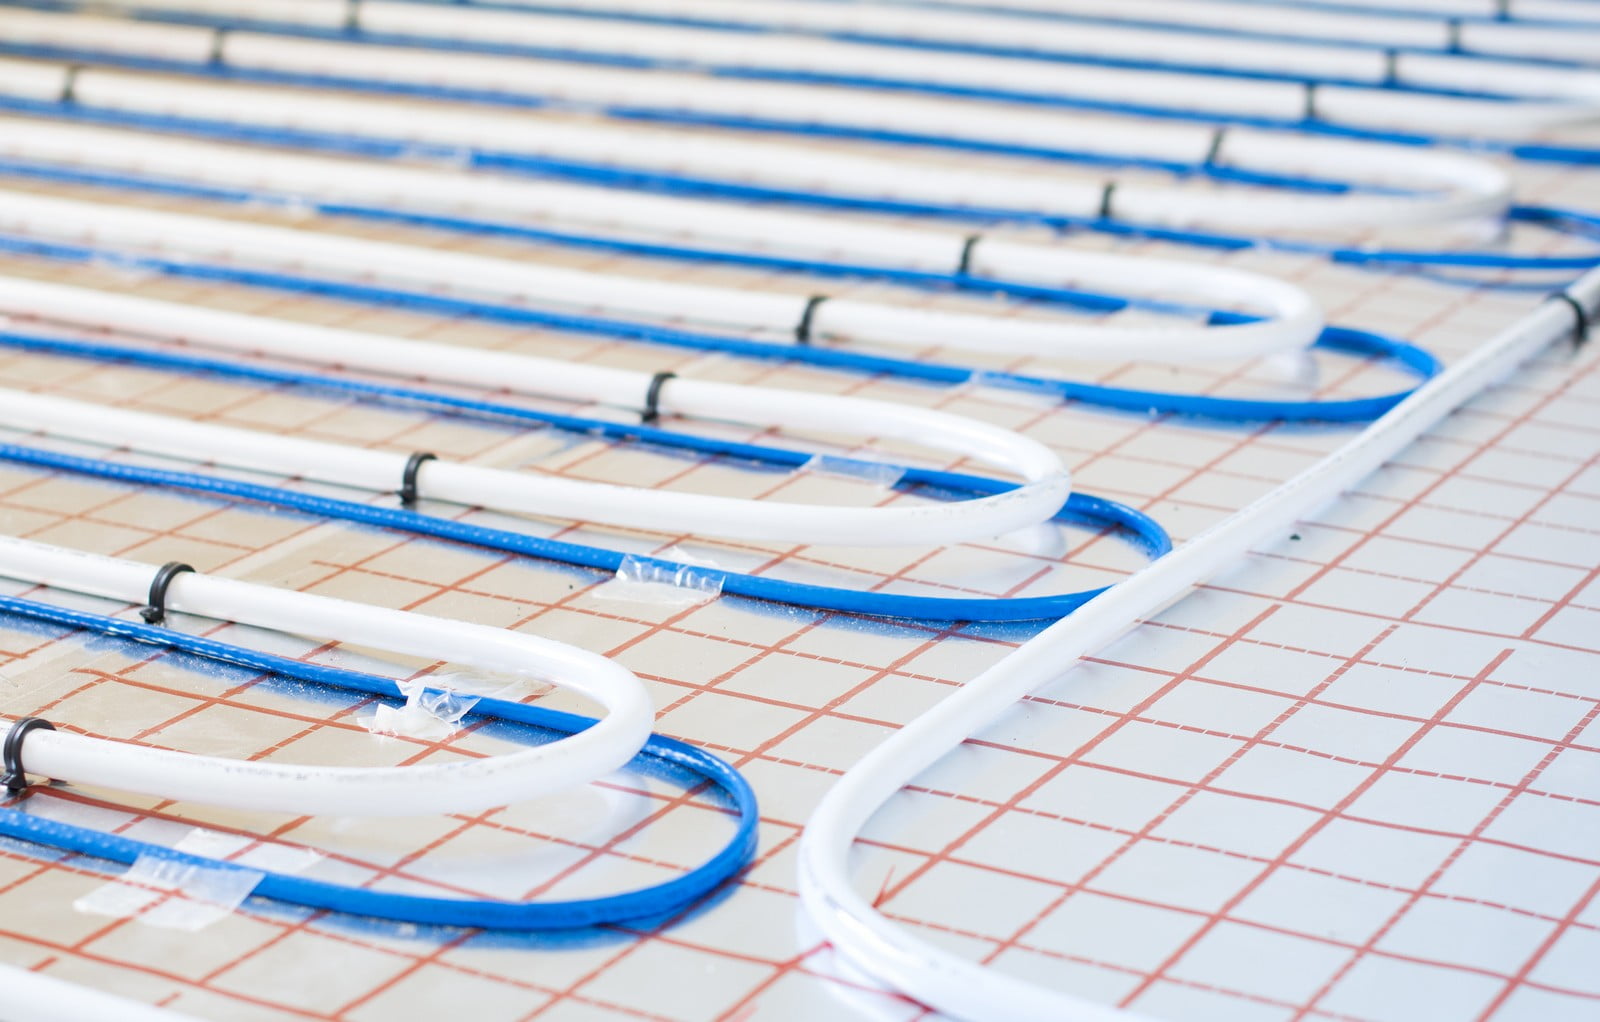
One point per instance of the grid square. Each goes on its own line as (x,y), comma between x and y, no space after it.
(1113,931)
(325,970)
(1454,752)
(1458,933)
(1248,959)
(1178,753)
(996,905)
(1389,855)
(1088,794)
(1342,909)
(1413,800)
(1296,778)
(1395,990)
(652,978)
(1169,874)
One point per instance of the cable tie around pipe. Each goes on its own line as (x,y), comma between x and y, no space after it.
(408,477)
(352,15)
(69,84)
(155,610)
(1106,194)
(802,329)
(1309,113)
(219,41)
(1580,317)
(964,265)
(1391,66)
(1214,150)
(1453,38)
(15,777)
(652,398)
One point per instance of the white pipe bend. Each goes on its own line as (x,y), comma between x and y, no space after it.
(1292,318)
(1046,482)
(1463,188)
(452,787)
(934,524)
(572,291)
(959,987)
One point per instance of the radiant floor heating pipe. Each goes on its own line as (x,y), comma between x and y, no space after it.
(1275,79)
(1254,33)
(1429,187)
(769,313)
(1537,13)
(1377,186)
(499,290)
(1290,320)
(465,786)
(959,987)
(1464,193)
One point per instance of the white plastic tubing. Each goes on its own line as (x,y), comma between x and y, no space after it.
(1321,29)
(1554,93)
(32,997)
(961,988)
(450,787)
(1293,319)
(573,292)
(1128,43)
(1046,487)
(1536,11)
(1434,186)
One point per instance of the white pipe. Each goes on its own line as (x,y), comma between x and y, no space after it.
(462,786)
(1318,58)
(958,987)
(939,117)
(1441,187)
(1156,21)
(1046,486)
(1562,94)
(1552,10)
(933,524)
(763,407)
(34,997)
(1294,318)
(574,292)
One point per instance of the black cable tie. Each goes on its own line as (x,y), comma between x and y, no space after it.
(69,84)
(964,267)
(1106,193)
(1310,111)
(1391,66)
(1214,150)
(802,329)
(1580,317)
(1502,10)
(1453,43)
(218,41)
(652,398)
(15,778)
(155,609)
(352,16)
(408,477)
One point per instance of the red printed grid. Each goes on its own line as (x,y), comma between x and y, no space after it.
(1353,778)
